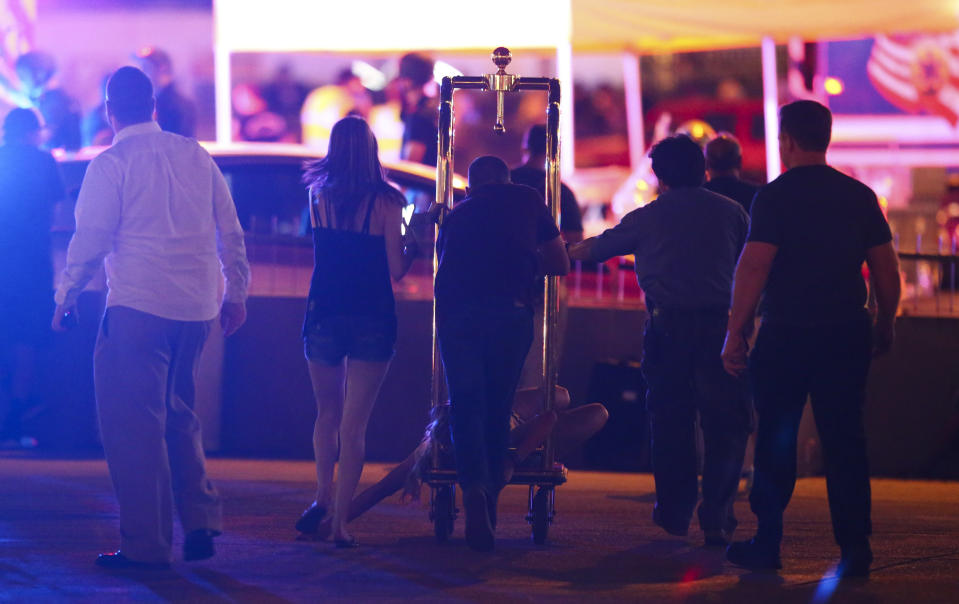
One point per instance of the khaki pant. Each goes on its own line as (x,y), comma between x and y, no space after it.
(144,373)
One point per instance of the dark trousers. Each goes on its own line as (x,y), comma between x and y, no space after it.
(828,364)
(483,349)
(685,377)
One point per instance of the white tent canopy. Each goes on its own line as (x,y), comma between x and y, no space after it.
(588,25)
(560,26)
(686,25)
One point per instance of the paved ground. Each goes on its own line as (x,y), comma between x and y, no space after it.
(55,515)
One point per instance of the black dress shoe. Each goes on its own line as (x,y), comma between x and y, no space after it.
(754,555)
(479,531)
(198,545)
(716,539)
(117,561)
(310,519)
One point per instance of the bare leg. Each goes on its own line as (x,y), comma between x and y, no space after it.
(363,381)
(328,390)
(376,493)
(578,425)
(527,437)
(528,402)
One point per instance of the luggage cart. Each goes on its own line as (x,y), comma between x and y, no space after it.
(540,472)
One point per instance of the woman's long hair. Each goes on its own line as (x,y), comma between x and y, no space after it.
(351,170)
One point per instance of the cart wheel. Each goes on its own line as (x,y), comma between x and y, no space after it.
(540,515)
(443,512)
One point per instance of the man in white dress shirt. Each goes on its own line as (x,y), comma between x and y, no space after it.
(158,210)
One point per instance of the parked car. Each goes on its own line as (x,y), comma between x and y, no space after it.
(265,180)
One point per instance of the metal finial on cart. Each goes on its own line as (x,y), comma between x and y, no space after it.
(544,476)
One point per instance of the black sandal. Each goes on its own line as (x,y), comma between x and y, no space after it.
(346,543)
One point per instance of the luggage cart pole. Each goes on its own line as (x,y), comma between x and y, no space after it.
(542,482)
(551,295)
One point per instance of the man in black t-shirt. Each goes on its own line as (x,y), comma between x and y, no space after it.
(686,243)
(724,160)
(812,229)
(484,291)
(419,110)
(533,174)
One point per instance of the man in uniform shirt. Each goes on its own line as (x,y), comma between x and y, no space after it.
(484,320)
(158,210)
(686,243)
(812,229)
(174,112)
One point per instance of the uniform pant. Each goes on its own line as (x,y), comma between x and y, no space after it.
(828,364)
(144,373)
(685,379)
(483,349)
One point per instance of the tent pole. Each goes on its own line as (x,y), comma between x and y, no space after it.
(771,108)
(222,90)
(634,109)
(564,72)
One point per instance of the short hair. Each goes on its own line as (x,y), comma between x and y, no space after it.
(417,68)
(488,170)
(20,123)
(678,162)
(535,139)
(130,96)
(808,123)
(723,153)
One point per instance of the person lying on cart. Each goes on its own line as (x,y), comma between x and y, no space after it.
(529,428)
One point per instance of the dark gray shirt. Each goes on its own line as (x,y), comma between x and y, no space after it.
(686,243)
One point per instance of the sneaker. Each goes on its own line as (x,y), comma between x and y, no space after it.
(754,555)
(673,529)
(854,563)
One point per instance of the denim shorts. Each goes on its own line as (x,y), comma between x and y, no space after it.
(361,338)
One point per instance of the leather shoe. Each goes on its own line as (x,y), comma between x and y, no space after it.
(198,545)
(754,555)
(854,563)
(310,519)
(479,531)
(118,561)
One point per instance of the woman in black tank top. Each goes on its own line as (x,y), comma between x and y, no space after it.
(350,325)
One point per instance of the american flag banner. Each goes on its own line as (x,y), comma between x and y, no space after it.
(918,73)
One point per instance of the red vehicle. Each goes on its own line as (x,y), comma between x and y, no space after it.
(742,118)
